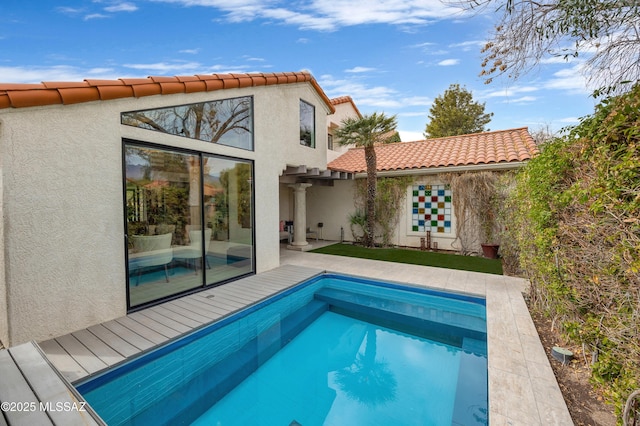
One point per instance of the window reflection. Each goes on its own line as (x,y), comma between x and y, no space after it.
(228,213)
(307,125)
(169,249)
(226,122)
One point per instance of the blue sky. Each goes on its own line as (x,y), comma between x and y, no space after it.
(394,56)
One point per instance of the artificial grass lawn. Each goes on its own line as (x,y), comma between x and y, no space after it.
(416,257)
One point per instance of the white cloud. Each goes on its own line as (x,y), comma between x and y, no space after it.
(569,80)
(469,45)
(372,97)
(328,15)
(122,7)
(190,51)
(521,100)
(569,120)
(449,62)
(95,16)
(509,92)
(69,10)
(377,96)
(165,66)
(359,70)
(55,73)
(423,45)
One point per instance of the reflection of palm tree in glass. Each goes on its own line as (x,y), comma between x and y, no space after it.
(368,381)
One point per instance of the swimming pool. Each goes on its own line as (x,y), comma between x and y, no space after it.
(331,350)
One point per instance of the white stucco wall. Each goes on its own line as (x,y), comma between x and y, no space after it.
(4,324)
(62,195)
(342,111)
(333,205)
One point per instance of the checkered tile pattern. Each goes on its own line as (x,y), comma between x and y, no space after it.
(431,209)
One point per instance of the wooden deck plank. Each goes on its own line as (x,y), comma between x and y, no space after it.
(64,362)
(154,325)
(201,303)
(49,387)
(162,310)
(128,335)
(164,320)
(14,388)
(221,308)
(227,302)
(187,313)
(237,295)
(83,356)
(141,330)
(99,348)
(113,340)
(202,309)
(240,301)
(258,289)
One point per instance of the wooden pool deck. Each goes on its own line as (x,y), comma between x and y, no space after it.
(33,393)
(36,379)
(86,352)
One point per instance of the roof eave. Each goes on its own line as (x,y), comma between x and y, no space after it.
(447,169)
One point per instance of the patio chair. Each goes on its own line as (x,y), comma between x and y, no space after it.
(149,251)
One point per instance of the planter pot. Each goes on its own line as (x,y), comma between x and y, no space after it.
(490,250)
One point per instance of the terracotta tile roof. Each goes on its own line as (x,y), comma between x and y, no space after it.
(503,146)
(344,100)
(51,93)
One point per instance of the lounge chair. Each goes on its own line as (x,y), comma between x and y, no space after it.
(151,250)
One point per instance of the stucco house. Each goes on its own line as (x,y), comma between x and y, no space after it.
(429,199)
(112,190)
(120,194)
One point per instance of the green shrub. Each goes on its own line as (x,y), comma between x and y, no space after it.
(575,218)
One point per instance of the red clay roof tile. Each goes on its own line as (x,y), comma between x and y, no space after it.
(75,95)
(51,93)
(512,145)
(29,98)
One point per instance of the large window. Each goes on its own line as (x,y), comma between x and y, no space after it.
(226,122)
(307,124)
(189,221)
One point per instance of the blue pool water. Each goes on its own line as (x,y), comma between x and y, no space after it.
(332,351)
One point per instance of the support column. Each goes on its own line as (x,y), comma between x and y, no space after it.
(299,217)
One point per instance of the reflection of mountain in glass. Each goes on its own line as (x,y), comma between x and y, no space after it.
(227,122)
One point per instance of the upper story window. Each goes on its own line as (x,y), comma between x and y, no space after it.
(226,122)
(307,124)
(329,141)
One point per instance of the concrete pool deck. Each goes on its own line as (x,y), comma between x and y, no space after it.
(522,386)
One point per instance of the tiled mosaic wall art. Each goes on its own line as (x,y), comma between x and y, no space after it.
(431,208)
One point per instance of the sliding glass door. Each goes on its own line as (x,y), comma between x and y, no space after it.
(170,248)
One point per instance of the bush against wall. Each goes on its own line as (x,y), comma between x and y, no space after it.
(391,193)
(575,214)
(478,200)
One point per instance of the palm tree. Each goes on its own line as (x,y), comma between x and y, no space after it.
(367,132)
(368,380)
